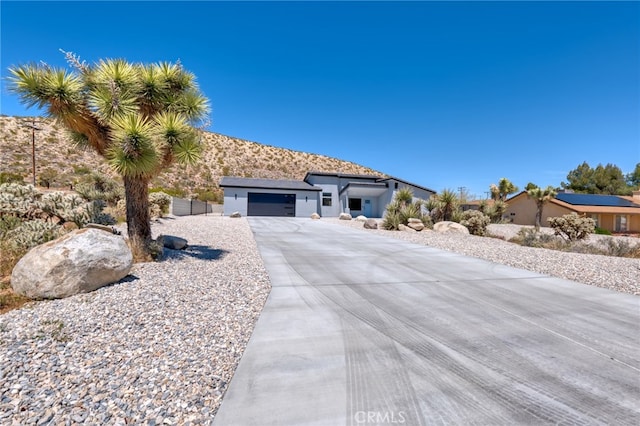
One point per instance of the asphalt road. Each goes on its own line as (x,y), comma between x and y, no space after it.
(365,330)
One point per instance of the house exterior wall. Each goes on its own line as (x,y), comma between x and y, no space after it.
(521,210)
(328,184)
(237,200)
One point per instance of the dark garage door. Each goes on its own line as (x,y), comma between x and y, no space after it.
(263,204)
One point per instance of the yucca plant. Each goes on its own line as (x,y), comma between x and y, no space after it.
(139,117)
(541,197)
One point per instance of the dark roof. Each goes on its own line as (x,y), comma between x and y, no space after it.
(595,200)
(407,183)
(238,182)
(342,175)
(372,177)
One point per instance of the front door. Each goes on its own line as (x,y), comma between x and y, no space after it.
(367,208)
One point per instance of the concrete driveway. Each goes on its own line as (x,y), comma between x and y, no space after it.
(365,330)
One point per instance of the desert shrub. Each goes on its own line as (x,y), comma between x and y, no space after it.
(159,203)
(621,248)
(403,208)
(29,218)
(602,231)
(32,233)
(530,237)
(98,186)
(495,211)
(572,227)
(475,221)
(8,177)
(391,219)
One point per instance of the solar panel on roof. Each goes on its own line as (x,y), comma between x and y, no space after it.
(595,200)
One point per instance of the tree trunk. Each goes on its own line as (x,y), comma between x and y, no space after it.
(136,191)
(539,216)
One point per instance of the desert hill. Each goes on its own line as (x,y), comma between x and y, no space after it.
(60,164)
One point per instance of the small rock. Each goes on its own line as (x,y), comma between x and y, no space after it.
(235,214)
(315,216)
(172,242)
(418,226)
(405,228)
(371,224)
(345,216)
(361,218)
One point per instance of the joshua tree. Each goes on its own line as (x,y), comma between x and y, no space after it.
(139,117)
(541,197)
(503,189)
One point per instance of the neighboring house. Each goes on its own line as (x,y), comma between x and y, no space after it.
(327,194)
(614,213)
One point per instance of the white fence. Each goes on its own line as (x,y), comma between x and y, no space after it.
(182,207)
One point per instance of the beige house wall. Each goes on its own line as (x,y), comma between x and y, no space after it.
(606,222)
(521,210)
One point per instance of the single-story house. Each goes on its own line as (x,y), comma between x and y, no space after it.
(327,194)
(615,213)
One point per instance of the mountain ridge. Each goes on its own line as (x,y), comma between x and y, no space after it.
(61,164)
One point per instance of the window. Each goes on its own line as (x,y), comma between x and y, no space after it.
(596,217)
(326,199)
(355,203)
(621,223)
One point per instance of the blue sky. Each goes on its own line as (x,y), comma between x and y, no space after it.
(443,94)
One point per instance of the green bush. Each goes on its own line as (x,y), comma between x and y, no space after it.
(475,221)
(602,231)
(572,227)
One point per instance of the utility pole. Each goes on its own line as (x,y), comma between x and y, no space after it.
(33,128)
(461,190)
(486,193)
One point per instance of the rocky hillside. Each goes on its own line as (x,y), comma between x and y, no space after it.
(61,164)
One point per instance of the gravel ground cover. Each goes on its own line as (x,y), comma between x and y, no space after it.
(158,348)
(161,346)
(615,273)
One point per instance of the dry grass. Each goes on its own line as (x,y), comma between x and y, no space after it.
(8,299)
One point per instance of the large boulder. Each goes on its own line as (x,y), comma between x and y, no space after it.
(345,216)
(315,216)
(78,262)
(450,227)
(371,224)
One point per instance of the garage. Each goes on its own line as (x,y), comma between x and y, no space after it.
(269,197)
(270,204)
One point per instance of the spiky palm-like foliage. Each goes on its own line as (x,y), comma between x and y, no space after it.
(503,189)
(448,201)
(403,208)
(139,117)
(404,195)
(541,197)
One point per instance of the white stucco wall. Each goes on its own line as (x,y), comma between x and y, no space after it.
(236,200)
